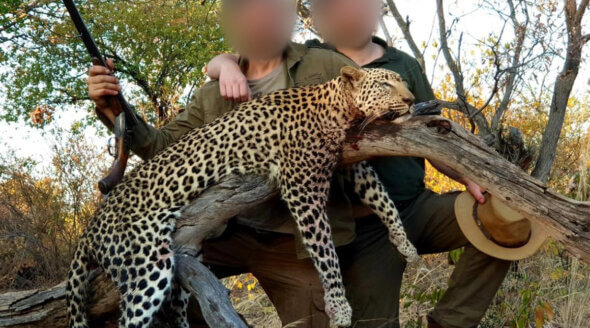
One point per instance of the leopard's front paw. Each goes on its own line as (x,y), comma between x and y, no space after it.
(407,249)
(411,255)
(339,312)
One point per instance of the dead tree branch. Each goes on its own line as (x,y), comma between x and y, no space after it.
(404,25)
(520,30)
(454,66)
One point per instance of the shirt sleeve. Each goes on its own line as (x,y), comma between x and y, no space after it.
(147,140)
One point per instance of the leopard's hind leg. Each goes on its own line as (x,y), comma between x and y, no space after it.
(373,194)
(175,307)
(145,281)
(77,286)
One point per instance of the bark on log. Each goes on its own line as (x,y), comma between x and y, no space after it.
(46,308)
(213,297)
(435,138)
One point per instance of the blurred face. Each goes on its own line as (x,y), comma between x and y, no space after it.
(346,23)
(259,29)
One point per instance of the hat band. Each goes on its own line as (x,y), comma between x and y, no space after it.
(489,236)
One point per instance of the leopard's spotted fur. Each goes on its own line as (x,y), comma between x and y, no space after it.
(293,136)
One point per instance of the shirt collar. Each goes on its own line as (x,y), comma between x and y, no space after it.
(390,52)
(294,52)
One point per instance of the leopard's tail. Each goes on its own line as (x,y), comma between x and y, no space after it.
(77,288)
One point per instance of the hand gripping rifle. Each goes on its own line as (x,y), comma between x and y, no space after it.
(125,121)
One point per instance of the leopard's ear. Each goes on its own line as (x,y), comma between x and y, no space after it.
(352,75)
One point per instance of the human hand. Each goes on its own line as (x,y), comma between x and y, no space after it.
(102,85)
(233,84)
(476,191)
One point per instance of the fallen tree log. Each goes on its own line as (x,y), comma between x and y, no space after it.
(434,137)
(46,308)
(212,297)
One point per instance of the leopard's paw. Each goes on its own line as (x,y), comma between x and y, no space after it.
(408,251)
(339,312)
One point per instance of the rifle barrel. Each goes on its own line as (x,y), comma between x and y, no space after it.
(130,118)
(84,33)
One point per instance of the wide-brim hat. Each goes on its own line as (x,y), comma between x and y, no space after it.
(498,230)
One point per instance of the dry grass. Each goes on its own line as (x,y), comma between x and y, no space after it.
(548,290)
(251,302)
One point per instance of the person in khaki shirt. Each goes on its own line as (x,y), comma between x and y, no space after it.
(263,241)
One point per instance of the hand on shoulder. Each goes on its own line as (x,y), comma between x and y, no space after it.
(233,85)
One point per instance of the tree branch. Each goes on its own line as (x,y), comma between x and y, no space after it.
(581,10)
(469,110)
(520,30)
(385,30)
(405,27)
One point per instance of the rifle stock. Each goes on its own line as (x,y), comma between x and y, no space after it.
(117,171)
(126,119)
(115,175)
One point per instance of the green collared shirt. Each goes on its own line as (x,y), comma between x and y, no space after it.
(306,66)
(403,177)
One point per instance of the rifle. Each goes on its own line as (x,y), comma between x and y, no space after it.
(125,121)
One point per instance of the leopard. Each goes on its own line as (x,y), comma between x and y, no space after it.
(293,137)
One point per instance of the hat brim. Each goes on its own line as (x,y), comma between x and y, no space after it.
(464,213)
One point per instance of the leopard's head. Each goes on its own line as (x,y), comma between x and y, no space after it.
(377,93)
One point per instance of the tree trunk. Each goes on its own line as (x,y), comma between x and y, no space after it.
(563,88)
(435,138)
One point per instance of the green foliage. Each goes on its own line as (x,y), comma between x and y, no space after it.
(9,12)
(455,255)
(159,47)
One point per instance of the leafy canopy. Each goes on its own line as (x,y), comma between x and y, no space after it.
(159,47)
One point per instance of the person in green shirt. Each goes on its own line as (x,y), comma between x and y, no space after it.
(429,218)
